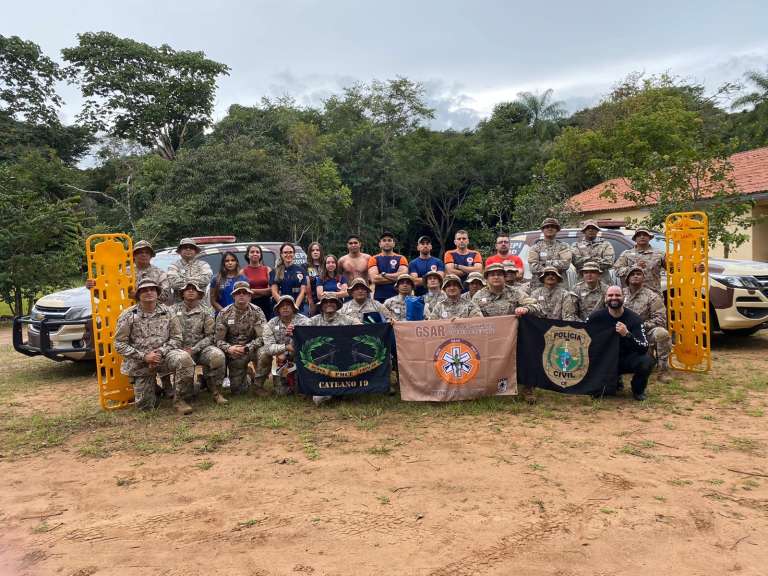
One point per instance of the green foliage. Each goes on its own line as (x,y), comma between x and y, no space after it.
(28,82)
(154,96)
(39,238)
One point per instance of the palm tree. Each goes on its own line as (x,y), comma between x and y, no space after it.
(541,111)
(760,80)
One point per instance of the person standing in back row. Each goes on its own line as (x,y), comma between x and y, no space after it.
(257,274)
(188,268)
(643,256)
(503,254)
(385,268)
(462,261)
(419,267)
(354,264)
(593,249)
(288,279)
(548,251)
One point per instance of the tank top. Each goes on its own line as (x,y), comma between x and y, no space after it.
(257,277)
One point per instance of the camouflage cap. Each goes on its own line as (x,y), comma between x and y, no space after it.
(593,266)
(285,298)
(635,269)
(589,224)
(433,273)
(187,242)
(476,277)
(452,278)
(242,286)
(642,231)
(147,283)
(358,282)
(510,266)
(405,278)
(330,297)
(143,245)
(551,270)
(495,268)
(550,222)
(194,285)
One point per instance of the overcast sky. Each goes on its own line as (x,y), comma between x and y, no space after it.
(469,54)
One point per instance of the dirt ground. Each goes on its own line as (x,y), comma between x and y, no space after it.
(673,485)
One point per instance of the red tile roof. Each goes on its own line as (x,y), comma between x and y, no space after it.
(750,172)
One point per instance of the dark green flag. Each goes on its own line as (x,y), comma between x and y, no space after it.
(338,360)
(568,357)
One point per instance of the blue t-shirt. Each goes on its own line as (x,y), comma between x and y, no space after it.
(388,265)
(313,274)
(293,279)
(225,291)
(423,265)
(332,285)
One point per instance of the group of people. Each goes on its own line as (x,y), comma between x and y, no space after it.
(245,329)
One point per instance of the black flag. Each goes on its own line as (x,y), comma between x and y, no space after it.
(568,357)
(338,360)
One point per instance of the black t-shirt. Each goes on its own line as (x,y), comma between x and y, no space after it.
(635,341)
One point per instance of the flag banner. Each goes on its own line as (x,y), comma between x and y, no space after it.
(568,357)
(457,359)
(339,360)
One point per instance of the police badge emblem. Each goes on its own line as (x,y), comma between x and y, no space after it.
(566,355)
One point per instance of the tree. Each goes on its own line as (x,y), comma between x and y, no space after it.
(28,82)
(760,80)
(541,111)
(39,241)
(157,97)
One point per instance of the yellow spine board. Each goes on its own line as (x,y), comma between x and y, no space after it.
(110,265)
(688,290)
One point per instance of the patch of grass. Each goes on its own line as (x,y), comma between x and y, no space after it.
(680,482)
(537,467)
(633,450)
(308,445)
(215,440)
(669,426)
(660,498)
(716,481)
(205,464)
(41,528)
(383,500)
(125,481)
(747,445)
(379,450)
(96,447)
(608,511)
(755,412)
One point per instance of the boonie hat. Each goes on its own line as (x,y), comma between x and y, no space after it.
(242,286)
(187,242)
(642,231)
(433,273)
(194,285)
(590,266)
(449,278)
(357,282)
(330,297)
(495,268)
(475,277)
(285,298)
(635,269)
(589,224)
(405,278)
(147,283)
(550,270)
(143,245)
(550,222)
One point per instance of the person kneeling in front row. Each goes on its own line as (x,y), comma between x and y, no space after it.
(633,344)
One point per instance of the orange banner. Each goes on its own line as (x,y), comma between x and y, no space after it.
(457,359)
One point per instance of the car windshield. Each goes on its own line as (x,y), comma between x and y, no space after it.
(163,261)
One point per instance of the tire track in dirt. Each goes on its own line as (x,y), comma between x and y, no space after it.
(481,560)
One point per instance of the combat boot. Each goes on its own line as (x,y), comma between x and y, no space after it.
(217,397)
(257,387)
(663,375)
(182,407)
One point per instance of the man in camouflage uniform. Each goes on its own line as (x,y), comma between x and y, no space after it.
(595,250)
(555,302)
(278,339)
(142,257)
(642,255)
(435,294)
(513,277)
(548,251)
(453,305)
(197,328)
(589,294)
(475,283)
(650,307)
(331,316)
(188,268)
(396,304)
(498,299)
(148,337)
(239,334)
(362,303)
